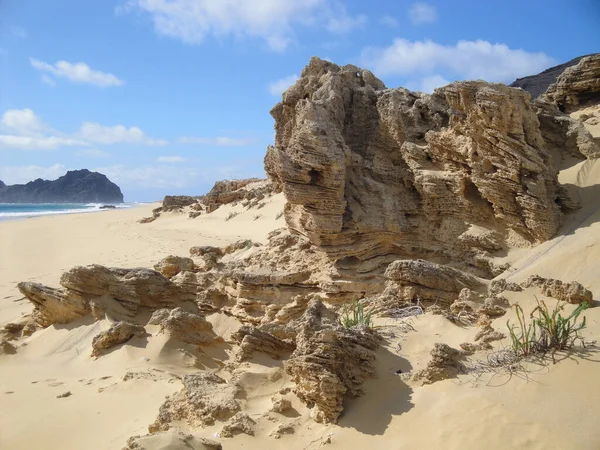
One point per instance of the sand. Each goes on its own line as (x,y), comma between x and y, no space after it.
(543,406)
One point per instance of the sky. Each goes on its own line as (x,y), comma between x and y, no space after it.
(169,96)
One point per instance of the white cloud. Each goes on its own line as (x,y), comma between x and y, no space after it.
(18,32)
(171,159)
(272,21)
(222,141)
(25,174)
(11,142)
(280,86)
(389,21)
(420,13)
(23,122)
(77,72)
(94,153)
(94,132)
(24,130)
(465,60)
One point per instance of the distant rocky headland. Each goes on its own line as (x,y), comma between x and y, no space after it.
(76,186)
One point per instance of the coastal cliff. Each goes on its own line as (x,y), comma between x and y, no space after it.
(76,186)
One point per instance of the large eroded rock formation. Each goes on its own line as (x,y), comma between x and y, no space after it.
(373,174)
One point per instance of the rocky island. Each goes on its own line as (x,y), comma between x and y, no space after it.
(76,186)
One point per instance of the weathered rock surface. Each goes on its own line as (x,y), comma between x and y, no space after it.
(372,175)
(172,265)
(239,423)
(564,135)
(119,293)
(230,191)
(175,202)
(445,363)
(76,186)
(115,335)
(204,398)
(184,326)
(536,85)
(53,305)
(330,362)
(251,340)
(578,86)
(572,292)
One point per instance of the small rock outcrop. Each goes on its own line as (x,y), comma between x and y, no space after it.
(572,292)
(330,362)
(172,265)
(445,363)
(184,326)
(99,290)
(252,339)
(76,186)
(239,423)
(53,305)
(115,335)
(578,86)
(251,190)
(204,398)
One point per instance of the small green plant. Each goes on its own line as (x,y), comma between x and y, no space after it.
(354,315)
(558,332)
(522,335)
(548,331)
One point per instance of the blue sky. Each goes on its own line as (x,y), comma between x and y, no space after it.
(168,96)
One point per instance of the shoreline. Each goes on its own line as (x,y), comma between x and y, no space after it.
(5,217)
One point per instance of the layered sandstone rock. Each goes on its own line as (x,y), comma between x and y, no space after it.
(330,362)
(371,173)
(118,293)
(53,305)
(252,339)
(578,86)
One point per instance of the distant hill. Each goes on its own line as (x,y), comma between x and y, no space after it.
(536,85)
(76,186)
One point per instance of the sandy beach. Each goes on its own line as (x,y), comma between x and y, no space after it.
(498,411)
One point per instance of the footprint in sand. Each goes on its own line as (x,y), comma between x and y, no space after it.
(57,383)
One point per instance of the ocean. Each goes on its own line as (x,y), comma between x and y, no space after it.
(12,211)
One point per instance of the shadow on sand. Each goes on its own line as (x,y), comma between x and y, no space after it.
(385,397)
